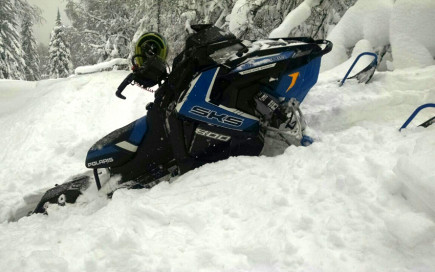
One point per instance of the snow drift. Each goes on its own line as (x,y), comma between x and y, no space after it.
(403,24)
(359,198)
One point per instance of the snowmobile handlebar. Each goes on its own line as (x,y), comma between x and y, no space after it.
(128,80)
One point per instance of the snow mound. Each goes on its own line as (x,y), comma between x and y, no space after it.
(368,20)
(411,229)
(356,200)
(294,18)
(403,24)
(415,175)
(411,34)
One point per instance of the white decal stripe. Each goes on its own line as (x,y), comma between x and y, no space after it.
(127,146)
(239,112)
(207,98)
(192,84)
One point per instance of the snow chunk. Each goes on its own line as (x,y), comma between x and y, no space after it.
(411,229)
(415,173)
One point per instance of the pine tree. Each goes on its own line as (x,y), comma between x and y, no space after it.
(43,60)
(31,57)
(11,57)
(59,54)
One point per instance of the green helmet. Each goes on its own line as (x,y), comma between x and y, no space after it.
(150,43)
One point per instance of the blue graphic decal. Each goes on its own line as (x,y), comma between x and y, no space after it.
(196,107)
(304,81)
(139,130)
(264,61)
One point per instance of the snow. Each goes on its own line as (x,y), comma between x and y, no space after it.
(403,24)
(239,17)
(360,47)
(100,66)
(412,35)
(358,199)
(368,20)
(293,19)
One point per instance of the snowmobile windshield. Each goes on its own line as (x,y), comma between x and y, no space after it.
(208,35)
(226,53)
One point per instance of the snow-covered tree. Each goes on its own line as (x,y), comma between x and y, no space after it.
(325,14)
(11,57)
(255,19)
(165,17)
(43,60)
(59,54)
(101,29)
(30,51)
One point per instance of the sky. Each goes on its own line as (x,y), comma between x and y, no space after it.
(49,13)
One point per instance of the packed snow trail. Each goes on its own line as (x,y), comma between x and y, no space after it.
(359,199)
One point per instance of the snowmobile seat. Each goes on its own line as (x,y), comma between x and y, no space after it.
(118,147)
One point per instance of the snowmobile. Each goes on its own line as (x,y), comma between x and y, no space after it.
(224,97)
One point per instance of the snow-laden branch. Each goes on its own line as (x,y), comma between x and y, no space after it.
(103,66)
(241,17)
(93,32)
(294,18)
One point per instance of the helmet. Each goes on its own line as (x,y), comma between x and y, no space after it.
(150,43)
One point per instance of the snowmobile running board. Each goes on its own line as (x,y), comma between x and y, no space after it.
(366,74)
(425,124)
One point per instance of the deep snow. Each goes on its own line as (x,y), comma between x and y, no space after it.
(359,199)
(404,26)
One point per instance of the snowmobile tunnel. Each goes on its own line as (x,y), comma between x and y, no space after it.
(118,147)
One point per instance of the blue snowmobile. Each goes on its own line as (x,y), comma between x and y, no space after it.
(224,97)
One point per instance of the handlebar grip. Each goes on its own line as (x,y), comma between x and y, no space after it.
(124,84)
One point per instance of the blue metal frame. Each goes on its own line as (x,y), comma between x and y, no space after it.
(429,105)
(354,63)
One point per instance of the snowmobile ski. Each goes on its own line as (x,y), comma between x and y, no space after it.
(65,193)
(365,74)
(415,113)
